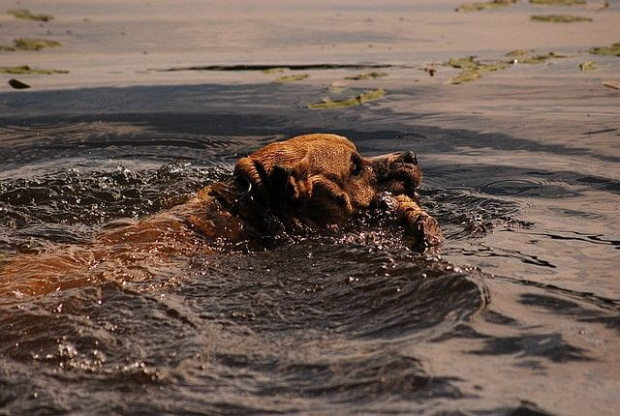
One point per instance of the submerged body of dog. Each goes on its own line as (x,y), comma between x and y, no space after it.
(309,182)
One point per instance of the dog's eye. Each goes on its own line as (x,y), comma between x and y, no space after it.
(357,166)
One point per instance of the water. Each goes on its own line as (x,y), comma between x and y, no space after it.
(518,313)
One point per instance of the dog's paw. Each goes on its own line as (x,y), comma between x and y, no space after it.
(425,231)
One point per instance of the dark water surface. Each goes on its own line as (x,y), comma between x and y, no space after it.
(518,314)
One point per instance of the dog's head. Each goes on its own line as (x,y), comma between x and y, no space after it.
(321,179)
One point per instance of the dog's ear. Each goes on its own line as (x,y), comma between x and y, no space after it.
(290,187)
(279,187)
(254,173)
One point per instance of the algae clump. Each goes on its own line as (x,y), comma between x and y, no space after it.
(613,50)
(483,5)
(291,78)
(26,15)
(472,69)
(365,97)
(472,74)
(274,70)
(559,2)
(469,62)
(588,66)
(368,75)
(30,44)
(539,59)
(559,18)
(26,70)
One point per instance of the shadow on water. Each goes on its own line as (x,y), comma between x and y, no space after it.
(255,110)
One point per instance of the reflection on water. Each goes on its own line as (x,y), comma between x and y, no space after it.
(523,291)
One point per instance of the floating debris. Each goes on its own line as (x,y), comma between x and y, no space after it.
(18,85)
(559,2)
(559,18)
(615,85)
(613,50)
(274,70)
(483,5)
(430,70)
(539,59)
(291,78)
(365,97)
(368,75)
(30,44)
(26,15)
(26,70)
(475,73)
(33,44)
(469,62)
(521,56)
(472,69)
(588,66)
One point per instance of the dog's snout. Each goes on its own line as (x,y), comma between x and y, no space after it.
(408,157)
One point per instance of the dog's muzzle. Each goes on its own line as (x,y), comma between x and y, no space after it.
(398,173)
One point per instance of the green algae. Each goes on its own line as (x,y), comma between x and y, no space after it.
(472,69)
(588,66)
(30,44)
(613,50)
(360,99)
(524,56)
(26,70)
(291,78)
(483,5)
(465,63)
(34,44)
(274,70)
(559,18)
(367,75)
(539,59)
(472,74)
(26,15)
(559,2)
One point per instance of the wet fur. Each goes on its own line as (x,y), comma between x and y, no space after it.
(306,183)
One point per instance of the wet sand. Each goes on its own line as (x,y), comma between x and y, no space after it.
(120,44)
(550,120)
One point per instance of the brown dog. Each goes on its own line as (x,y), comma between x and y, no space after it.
(309,182)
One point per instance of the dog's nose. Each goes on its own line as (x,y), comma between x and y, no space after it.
(408,157)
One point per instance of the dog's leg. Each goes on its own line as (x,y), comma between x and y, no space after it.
(418,223)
